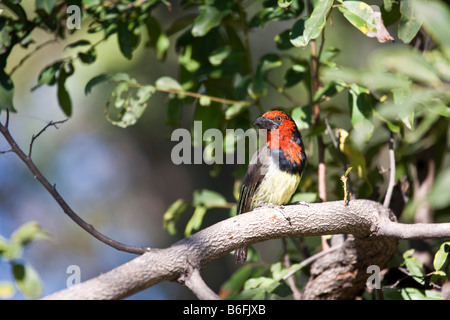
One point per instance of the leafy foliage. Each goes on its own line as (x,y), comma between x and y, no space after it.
(26,277)
(403,88)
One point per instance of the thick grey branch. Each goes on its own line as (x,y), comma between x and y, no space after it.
(194,281)
(362,218)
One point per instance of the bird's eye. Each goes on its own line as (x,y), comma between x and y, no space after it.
(279,119)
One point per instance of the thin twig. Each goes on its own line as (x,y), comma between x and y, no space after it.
(199,95)
(59,199)
(29,55)
(34,137)
(287,264)
(387,199)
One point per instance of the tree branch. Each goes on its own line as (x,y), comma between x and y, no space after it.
(35,136)
(54,193)
(194,281)
(387,199)
(365,219)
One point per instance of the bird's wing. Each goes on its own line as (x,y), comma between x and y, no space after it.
(255,173)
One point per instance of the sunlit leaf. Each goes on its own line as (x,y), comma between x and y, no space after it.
(27,279)
(361,106)
(409,25)
(168,83)
(367,19)
(46,5)
(441,255)
(210,17)
(196,220)
(208,198)
(305,30)
(172,214)
(414,266)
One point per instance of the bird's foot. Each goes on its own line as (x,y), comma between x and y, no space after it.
(280,209)
(303,203)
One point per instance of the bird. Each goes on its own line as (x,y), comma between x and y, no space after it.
(275,170)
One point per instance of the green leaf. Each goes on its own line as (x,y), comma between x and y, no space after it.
(294,75)
(46,5)
(29,232)
(208,199)
(284,3)
(234,110)
(219,55)
(409,25)
(361,107)
(302,117)
(233,285)
(304,31)
(128,39)
(27,279)
(6,92)
(417,294)
(269,14)
(172,214)
(355,157)
(210,17)
(414,266)
(95,81)
(130,102)
(168,83)
(88,57)
(63,96)
(48,74)
(437,276)
(187,61)
(359,14)
(196,220)
(283,40)
(79,43)
(268,62)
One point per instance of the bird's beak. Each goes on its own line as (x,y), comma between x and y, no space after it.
(265,123)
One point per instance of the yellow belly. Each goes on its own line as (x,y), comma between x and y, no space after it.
(277,187)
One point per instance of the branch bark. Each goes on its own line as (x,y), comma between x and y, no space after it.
(366,220)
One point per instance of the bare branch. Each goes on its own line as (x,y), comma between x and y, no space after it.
(34,137)
(291,282)
(387,198)
(365,219)
(194,281)
(59,199)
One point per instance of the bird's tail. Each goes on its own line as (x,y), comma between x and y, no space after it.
(240,255)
